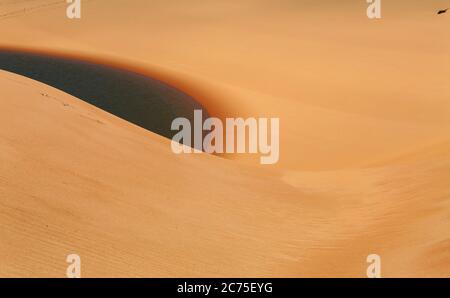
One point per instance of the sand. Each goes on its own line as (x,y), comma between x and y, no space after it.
(365,143)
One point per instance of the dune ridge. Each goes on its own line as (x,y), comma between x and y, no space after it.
(365,143)
(77,179)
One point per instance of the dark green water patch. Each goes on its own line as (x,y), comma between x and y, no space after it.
(133,97)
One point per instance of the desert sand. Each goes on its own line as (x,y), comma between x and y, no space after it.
(364,167)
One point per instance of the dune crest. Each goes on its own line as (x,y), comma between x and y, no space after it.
(76,179)
(365,145)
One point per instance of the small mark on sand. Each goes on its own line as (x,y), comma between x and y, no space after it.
(92,119)
(55,98)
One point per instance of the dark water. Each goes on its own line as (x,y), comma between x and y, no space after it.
(141,100)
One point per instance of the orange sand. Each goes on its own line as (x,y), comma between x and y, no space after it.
(365,142)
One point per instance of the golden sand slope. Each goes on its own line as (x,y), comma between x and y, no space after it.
(76,179)
(364,108)
(328,72)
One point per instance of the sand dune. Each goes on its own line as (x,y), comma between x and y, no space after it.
(365,143)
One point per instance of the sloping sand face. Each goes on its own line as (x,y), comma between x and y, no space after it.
(332,75)
(138,99)
(365,143)
(75,179)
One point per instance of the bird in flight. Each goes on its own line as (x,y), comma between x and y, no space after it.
(442,11)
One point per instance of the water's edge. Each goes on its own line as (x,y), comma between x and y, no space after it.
(133,97)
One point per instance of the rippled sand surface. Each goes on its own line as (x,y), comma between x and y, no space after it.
(365,142)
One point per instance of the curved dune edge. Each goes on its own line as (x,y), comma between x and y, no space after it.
(365,144)
(346,90)
(219,103)
(169,77)
(211,97)
(74,179)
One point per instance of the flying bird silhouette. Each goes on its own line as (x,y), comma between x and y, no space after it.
(442,11)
